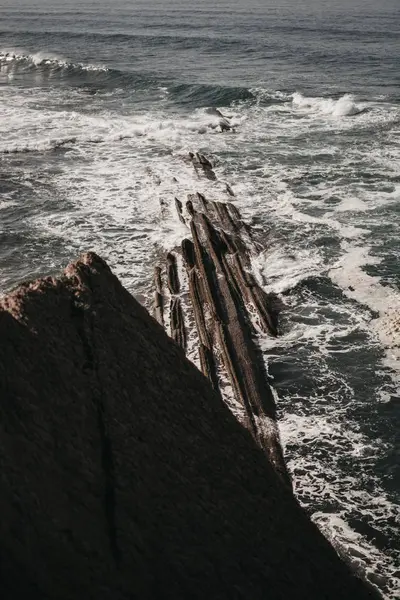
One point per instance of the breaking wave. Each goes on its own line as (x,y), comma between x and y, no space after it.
(41,146)
(51,67)
(12,63)
(41,60)
(345,106)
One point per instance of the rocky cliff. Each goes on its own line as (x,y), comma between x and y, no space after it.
(123,474)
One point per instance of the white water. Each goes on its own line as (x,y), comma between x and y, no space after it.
(343,107)
(9,56)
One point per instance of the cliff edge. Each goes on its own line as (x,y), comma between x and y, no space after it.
(123,474)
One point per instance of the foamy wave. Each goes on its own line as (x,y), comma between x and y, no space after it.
(282,268)
(367,289)
(162,130)
(319,442)
(42,59)
(343,107)
(364,559)
(264,95)
(39,146)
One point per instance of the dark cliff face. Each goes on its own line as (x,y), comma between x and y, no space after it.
(123,475)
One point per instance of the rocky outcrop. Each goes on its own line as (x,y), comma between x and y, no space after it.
(124,475)
(229,308)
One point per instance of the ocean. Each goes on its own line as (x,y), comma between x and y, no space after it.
(99,103)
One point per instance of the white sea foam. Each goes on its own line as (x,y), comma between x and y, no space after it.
(343,107)
(265,95)
(43,58)
(364,559)
(320,439)
(281,268)
(349,274)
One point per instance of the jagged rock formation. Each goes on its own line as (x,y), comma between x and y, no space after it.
(123,474)
(202,166)
(229,307)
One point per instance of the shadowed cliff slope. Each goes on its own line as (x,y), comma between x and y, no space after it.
(123,474)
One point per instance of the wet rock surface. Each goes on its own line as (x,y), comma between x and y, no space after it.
(229,308)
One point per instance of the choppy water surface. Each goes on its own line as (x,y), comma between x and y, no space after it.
(97,107)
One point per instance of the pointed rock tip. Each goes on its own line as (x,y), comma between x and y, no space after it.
(87,259)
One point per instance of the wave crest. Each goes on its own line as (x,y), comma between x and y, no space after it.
(345,106)
(41,60)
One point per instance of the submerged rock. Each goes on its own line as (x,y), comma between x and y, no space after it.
(123,474)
